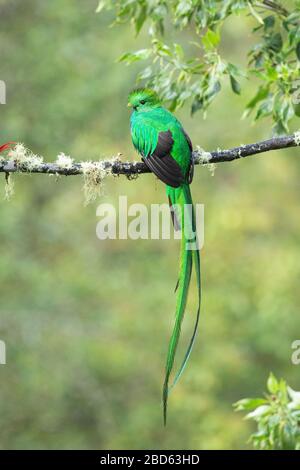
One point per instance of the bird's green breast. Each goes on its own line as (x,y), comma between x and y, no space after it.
(146,126)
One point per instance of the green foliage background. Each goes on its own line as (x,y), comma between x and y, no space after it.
(86,323)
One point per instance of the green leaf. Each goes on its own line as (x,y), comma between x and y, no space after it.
(211,39)
(269,21)
(255,14)
(283,392)
(196,105)
(236,88)
(234,70)
(173,105)
(275,42)
(260,95)
(265,109)
(297,109)
(131,57)
(272,74)
(213,89)
(272,384)
(294,395)
(298,50)
(178,51)
(258,412)
(140,19)
(279,128)
(145,74)
(248,404)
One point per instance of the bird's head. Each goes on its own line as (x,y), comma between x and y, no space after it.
(143,100)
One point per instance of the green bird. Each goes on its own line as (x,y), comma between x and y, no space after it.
(166,149)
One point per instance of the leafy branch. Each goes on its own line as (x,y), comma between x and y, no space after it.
(276,7)
(277,415)
(198,77)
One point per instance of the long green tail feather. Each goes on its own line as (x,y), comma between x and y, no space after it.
(196,260)
(182,196)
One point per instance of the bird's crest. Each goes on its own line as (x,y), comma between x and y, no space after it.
(143,96)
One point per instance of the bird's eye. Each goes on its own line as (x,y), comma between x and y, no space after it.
(142,101)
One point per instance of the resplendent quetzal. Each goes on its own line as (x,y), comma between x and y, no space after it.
(166,149)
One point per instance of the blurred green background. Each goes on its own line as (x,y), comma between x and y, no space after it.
(86,323)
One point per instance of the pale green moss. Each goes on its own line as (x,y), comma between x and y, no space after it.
(24,158)
(64,161)
(9,187)
(204,158)
(93,175)
(297,137)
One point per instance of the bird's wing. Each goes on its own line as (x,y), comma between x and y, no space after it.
(191,169)
(155,147)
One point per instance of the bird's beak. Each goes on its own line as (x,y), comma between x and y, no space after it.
(129,105)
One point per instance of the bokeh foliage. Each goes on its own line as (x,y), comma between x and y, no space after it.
(86,323)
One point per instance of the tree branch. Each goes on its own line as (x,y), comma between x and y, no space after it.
(33,164)
(272,5)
